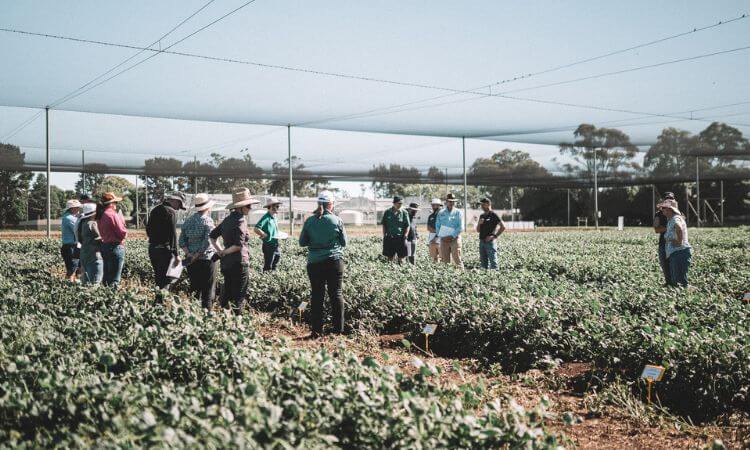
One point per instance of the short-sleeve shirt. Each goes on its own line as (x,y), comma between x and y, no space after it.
(91,242)
(396,222)
(195,235)
(432,219)
(488,223)
(233,231)
(268,225)
(324,236)
(69,222)
(660,220)
(676,221)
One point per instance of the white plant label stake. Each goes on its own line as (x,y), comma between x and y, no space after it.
(302,306)
(428,330)
(651,374)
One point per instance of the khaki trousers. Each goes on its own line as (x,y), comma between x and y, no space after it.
(452,250)
(435,251)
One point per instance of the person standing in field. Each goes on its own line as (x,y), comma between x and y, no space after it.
(113,232)
(660,226)
(679,251)
(452,219)
(323,234)
(267,229)
(92,267)
(234,254)
(412,235)
(395,229)
(432,240)
(161,229)
(69,248)
(199,254)
(489,227)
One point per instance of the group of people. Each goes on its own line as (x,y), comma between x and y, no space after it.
(675,252)
(444,225)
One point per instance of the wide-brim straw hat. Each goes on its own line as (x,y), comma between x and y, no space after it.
(451,198)
(436,201)
(272,201)
(72,204)
(241,198)
(202,202)
(669,204)
(110,197)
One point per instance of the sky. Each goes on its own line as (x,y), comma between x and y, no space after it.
(355,79)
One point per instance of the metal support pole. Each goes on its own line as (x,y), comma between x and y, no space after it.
(466,194)
(83,172)
(698,191)
(49,191)
(653,199)
(596,195)
(145,189)
(568,206)
(195,179)
(512,212)
(721,199)
(137,204)
(291,182)
(687,205)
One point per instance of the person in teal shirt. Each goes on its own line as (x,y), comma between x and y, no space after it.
(267,230)
(323,234)
(395,230)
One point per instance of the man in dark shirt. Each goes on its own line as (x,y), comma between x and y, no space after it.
(432,238)
(235,258)
(411,237)
(660,226)
(161,229)
(489,227)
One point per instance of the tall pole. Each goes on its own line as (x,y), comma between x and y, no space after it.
(145,190)
(687,205)
(568,206)
(697,192)
(291,182)
(83,171)
(653,199)
(137,209)
(466,194)
(721,199)
(195,179)
(512,212)
(49,203)
(596,195)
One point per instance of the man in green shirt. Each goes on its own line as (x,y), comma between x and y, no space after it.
(395,229)
(267,230)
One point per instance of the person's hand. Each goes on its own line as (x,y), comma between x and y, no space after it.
(489,238)
(448,238)
(221,253)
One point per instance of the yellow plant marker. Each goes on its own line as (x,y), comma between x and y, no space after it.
(651,374)
(429,329)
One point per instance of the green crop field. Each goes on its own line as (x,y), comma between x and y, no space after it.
(82,366)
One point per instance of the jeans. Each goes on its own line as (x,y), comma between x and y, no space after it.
(271,255)
(452,250)
(113,258)
(664,263)
(92,272)
(488,254)
(235,286)
(160,258)
(328,274)
(70,254)
(679,263)
(202,276)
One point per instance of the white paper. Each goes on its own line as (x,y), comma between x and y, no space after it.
(431,237)
(282,235)
(175,267)
(445,231)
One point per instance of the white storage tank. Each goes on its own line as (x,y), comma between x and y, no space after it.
(351,217)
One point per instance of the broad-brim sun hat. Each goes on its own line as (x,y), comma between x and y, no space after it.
(413,206)
(436,201)
(202,202)
(72,204)
(451,198)
(241,198)
(110,197)
(669,204)
(272,201)
(179,196)
(89,209)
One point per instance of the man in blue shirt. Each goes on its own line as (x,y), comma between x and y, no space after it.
(451,221)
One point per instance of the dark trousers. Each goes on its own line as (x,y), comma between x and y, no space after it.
(235,286)
(327,275)
(70,256)
(202,276)
(160,258)
(664,263)
(679,263)
(271,256)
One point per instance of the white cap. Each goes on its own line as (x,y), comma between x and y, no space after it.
(436,201)
(89,209)
(325,197)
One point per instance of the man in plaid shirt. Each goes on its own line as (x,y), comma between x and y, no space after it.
(199,254)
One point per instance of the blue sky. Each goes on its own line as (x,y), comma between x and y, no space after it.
(445,45)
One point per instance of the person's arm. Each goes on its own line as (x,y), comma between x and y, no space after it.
(405,232)
(213,236)
(173,229)
(118,227)
(679,234)
(342,234)
(460,227)
(258,228)
(659,226)
(382,222)
(94,227)
(429,228)
(182,241)
(304,238)
(500,229)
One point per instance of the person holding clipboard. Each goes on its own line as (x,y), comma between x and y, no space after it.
(449,224)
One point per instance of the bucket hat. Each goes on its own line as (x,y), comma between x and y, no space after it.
(241,198)
(89,209)
(72,204)
(272,201)
(179,196)
(202,202)
(436,201)
(670,204)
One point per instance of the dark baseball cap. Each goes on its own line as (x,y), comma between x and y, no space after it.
(397,199)
(485,200)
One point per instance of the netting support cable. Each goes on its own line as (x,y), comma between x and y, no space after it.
(291,181)
(49,191)
(466,194)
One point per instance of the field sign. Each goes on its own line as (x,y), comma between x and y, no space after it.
(652,373)
(429,328)
(302,306)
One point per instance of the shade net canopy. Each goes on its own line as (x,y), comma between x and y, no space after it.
(363,84)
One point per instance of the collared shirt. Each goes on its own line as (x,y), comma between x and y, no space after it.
(431,219)
(325,237)
(91,241)
(112,227)
(267,224)
(195,235)
(161,227)
(660,220)
(233,231)
(675,222)
(68,226)
(488,222)
(395,222)
(451,218)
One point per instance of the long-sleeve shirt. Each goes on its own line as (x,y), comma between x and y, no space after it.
(325,237)
(452,218)
(68,226)
(162,227)
(195,235)
(112,227)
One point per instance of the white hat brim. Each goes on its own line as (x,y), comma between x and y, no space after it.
(209,204)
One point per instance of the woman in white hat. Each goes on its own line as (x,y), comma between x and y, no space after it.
(679,253)
(92,266)
(199,254)
(69,248)
(267,230)
(235,258)
(323,234)
(432,240)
